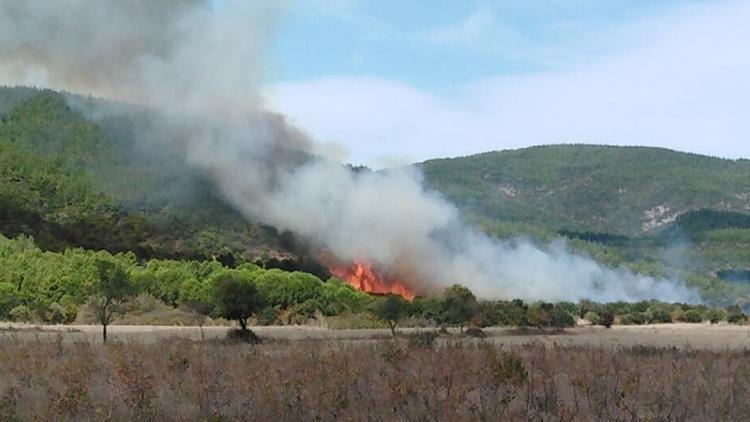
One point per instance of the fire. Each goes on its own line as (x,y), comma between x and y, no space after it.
(361,276)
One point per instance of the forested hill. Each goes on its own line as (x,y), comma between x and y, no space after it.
(68,181)
(72,181)
(617,190)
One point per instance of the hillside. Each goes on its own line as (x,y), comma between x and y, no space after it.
(619,190)
(68,180)
(73,178)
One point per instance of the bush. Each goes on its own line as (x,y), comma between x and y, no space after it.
(635,318)
(59,314)
(8,298)
(561,318)
(475,332)
(592,317)
(714,316)
(587,306)
(735,315)
(243,336)
(144,303)
(424,339)
(607,318)
(539,315)
(507,368)
(458,306)
(268,315)
(21,313)
(391,309)
(692,315)
(659,315)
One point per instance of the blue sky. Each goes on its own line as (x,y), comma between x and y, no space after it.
(384,82)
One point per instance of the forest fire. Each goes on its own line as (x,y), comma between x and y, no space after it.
(362,277)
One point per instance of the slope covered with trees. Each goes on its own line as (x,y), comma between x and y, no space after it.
(617,190)
(74,173)
(71,181)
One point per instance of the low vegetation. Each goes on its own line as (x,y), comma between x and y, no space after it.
(375,380)
(55,287)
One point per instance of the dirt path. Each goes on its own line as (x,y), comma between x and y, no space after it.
(698,336)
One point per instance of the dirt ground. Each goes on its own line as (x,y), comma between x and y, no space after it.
(696,336)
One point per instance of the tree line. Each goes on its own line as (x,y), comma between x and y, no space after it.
(52,287)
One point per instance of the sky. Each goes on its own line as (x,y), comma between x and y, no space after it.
(386,82)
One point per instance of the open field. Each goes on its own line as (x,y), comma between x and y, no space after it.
(695,336)
(350,375)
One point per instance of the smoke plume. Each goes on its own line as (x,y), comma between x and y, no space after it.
(197,65)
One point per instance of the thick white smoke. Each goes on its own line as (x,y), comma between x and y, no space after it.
(198,67)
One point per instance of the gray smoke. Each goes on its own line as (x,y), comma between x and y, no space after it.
(198,66)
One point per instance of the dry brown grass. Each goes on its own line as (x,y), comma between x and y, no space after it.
(180,379)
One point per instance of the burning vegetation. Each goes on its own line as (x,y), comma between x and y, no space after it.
(362,276)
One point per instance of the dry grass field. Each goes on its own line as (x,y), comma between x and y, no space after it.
(674,372)
(695,336)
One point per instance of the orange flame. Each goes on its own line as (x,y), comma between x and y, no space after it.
(361,276)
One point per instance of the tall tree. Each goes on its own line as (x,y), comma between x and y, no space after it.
(198,301)
(391,309)
(112,288)
(458,306)
(236,297)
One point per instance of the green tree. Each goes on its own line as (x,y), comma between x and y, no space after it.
(560,317)
(236,297)
(607,318)
(715,315)
(337,297)
(288,289)
(659,313)
(391,309)
(196,298)
(112,288)
(735,315)
(8,299)
(458,306)
(539,315)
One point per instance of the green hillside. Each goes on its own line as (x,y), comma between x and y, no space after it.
(659,212)
(618,190)
(69,180)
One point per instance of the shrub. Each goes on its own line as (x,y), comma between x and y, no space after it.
(475,332)
(268,315)
(735,315)
(587,306)
(21,313)
(8,298)
(59,314)
(659,315)
(391,309)
(714,315)
(561,318)
(635,318)
(539,315)
(607,318)
(692,315)
(592,317)
(507,368)
(243,336)
(424,339)
(144,303)
(458,306)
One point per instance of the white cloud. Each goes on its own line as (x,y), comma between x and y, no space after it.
(685,86)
